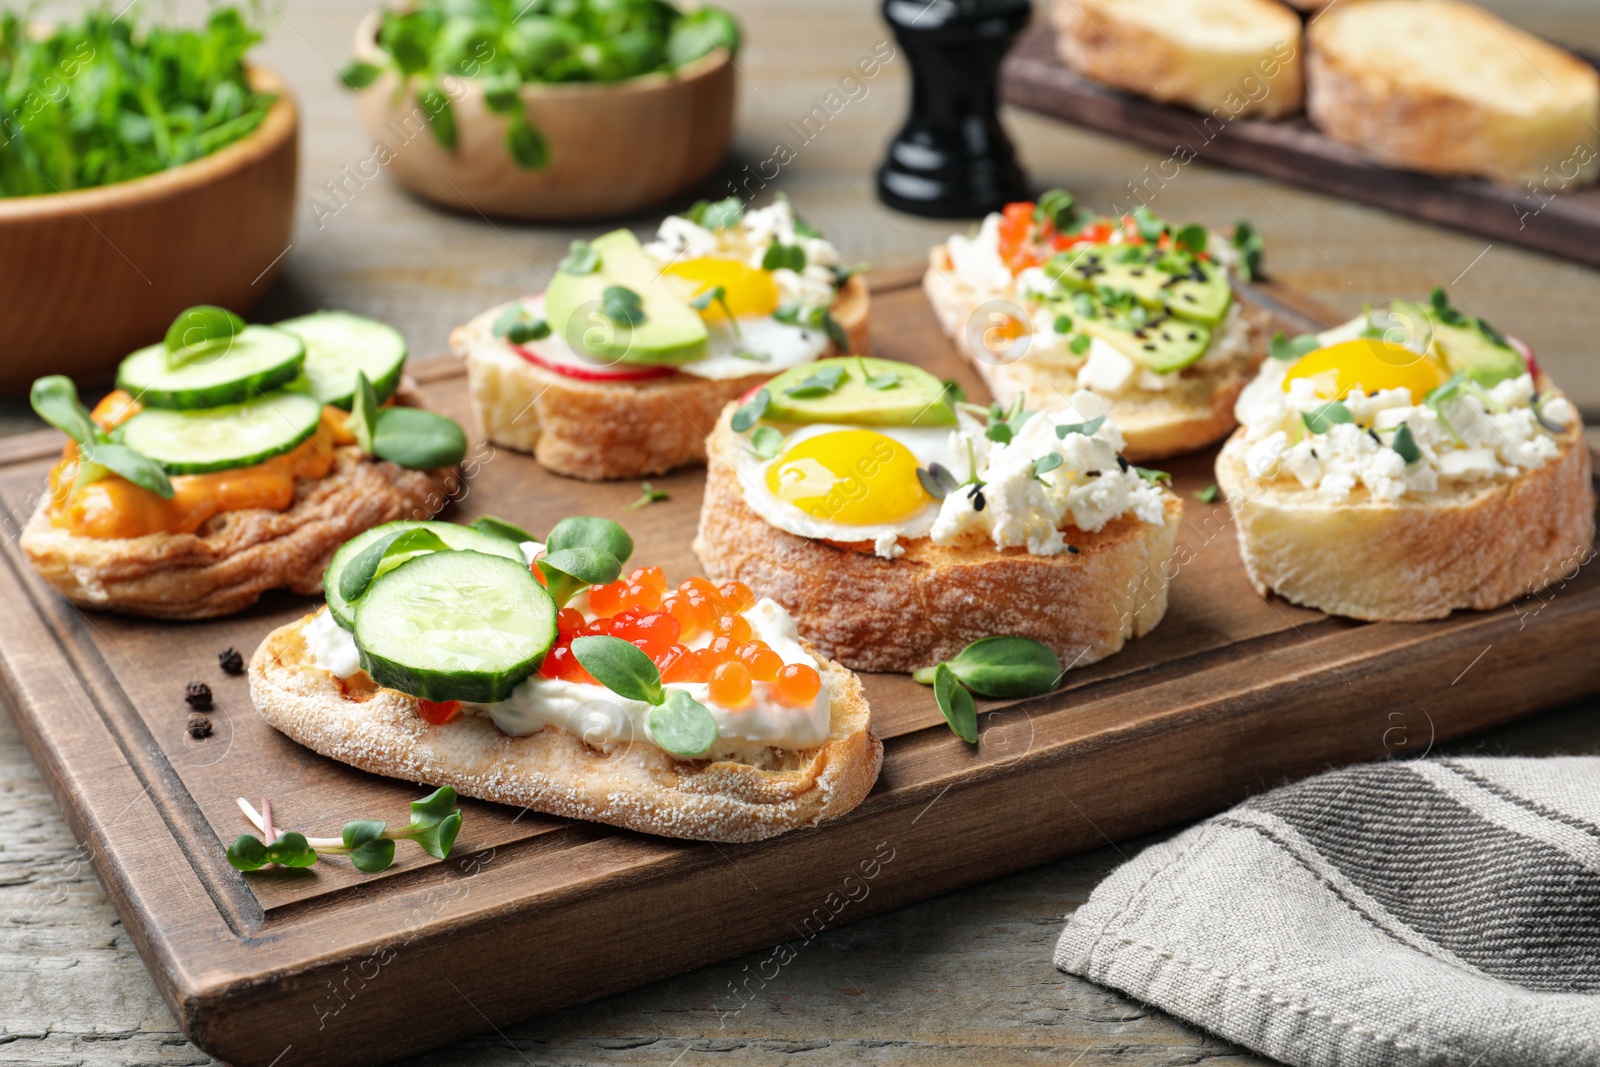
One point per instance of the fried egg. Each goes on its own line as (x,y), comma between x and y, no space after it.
(751,341)
(1368,364)
(849,483)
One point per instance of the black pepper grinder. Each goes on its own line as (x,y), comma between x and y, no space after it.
(952,158)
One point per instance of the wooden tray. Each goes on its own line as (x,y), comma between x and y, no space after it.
(1228,696)
(1555,220)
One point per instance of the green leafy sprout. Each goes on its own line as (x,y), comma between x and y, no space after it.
(509,45)
(435,822)
(677,722)
(1001,667)
(55,400)
(101,100)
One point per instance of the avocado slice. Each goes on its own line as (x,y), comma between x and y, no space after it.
(1172,280)
(1468,348)
(915,397)
(1163,344)
(671,331)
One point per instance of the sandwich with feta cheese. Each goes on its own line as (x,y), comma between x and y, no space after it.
(547,675)
(619,368)
(1047,298)
(898,524)
(1409,463)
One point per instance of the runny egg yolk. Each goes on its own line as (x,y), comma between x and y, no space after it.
(1370,363)
(852,477)
(747,290)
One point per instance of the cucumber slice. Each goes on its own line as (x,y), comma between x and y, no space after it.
(260,358)
(455,626)
(222,438)
(461,537)
(338,345)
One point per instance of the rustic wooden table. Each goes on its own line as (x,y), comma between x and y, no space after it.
(962,978)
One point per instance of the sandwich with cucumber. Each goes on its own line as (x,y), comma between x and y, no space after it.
(898,523)
(1409,463)
(547,673)
(1047,298)
(231,460)
(619,368)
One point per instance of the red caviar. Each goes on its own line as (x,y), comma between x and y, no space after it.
(641,609)
(438,712)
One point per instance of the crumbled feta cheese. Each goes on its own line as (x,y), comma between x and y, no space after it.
(1106,370)
(1018,508)
(1477,435)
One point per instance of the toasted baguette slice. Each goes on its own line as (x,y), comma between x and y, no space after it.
(1444,87)
(600,431)
(1196,411)
(1230,57)
(637,786)
(875,614)
(229,562)
(1478,547)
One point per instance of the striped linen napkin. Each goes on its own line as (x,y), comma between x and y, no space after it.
(1441,911)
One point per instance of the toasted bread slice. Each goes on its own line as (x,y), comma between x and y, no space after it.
(1227,57)
(229,562)
(1196,411)
(637,786)
(1477,547)
(876,614)
(1444,87)
(600,431)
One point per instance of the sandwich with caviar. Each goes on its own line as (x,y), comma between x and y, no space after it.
(1409,463)
(231,460)
(1048,298)
(898,524)
(537,673)
(620,367)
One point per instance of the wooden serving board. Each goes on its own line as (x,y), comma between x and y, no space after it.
(1550,217)
(1228,696)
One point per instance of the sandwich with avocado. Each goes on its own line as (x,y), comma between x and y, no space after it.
(619,368)
(1047,298)
(898,523)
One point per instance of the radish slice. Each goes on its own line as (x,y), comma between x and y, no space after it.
(555,355)
(1525,350)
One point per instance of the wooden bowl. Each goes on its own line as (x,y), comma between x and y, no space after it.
(614,148)
(90,275)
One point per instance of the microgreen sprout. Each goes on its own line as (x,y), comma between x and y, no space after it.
(1209,495)
(648,494)
(55,400)
(1002,667)
(1285,349)
(622,305)
(747,414)
(780,256)
(718,295)
(435,821)
(677,722)
(1251,246)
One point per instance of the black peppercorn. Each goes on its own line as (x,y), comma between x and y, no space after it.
(199,727)
(198,696)
(230,661)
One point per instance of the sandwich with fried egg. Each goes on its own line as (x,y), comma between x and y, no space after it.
(898,524)
(620,367)
(231,460)
(1409,463)
(1048,298)
(538,673)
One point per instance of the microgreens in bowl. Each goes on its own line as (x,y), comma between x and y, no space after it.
(508,44)
(99,100)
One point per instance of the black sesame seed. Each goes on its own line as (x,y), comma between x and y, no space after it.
(1073,549)
(1123,463)
(198,696)
(230,661)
